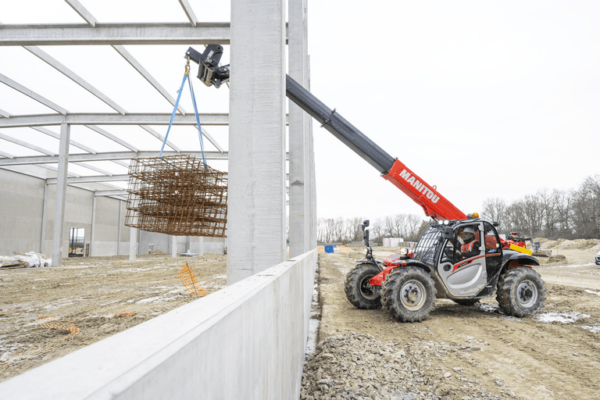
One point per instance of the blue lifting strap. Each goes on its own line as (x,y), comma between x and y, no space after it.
(185,77)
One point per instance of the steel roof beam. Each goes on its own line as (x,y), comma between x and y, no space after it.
(82,11)
(140,68)
(25,144)
(211,139)
(92,179)
(104,193)
(119,155)
(3,154)
(114,34)
(111,119)
(20,88)
(93,168)
(112,137)
(48,59)
(121,163)
(160,137)
(53,168)
(189,12)
(102,178)
(57,136)
(5,114)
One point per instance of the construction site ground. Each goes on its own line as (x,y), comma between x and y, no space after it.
(89,293)
(461,352)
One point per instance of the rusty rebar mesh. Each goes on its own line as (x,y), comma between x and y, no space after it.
(177,195)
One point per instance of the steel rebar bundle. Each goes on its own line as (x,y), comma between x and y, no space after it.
(177,195)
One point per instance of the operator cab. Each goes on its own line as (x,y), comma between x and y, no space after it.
(471,255)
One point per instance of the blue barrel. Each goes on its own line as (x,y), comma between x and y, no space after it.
(329,249)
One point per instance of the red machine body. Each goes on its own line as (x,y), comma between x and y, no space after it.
(433,203)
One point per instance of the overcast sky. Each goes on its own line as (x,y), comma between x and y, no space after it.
(481,98)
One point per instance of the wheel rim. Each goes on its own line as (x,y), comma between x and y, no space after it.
(366,289)
(527,294)
(413,295)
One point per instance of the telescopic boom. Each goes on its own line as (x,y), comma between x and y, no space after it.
(433,203)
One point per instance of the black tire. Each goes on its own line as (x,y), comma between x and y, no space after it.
(466,302)
(521,292)
(399,289)
(359,291)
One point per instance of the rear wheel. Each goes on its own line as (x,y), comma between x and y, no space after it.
(466,302)
(409,294)
(521,292)
(358,289)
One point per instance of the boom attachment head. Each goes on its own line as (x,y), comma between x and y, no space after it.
(209,72)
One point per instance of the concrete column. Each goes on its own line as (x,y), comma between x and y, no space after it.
(43,233)
(133,234)
(174,246)
(312,173)
(298,132)
(93,226)
(119,227)
(257,203)
(61,195)
(188,245)
(201,246)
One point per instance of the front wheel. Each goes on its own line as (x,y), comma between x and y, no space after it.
(521,292)
(358,289)
(409,294)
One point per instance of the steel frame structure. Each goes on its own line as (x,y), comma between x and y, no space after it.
(115,35)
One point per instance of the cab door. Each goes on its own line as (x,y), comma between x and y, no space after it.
(464,276)
(493,256)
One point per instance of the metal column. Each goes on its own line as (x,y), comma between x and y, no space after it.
(93,226)
(133,234)
(257,204)
(119,230)
(61,195)
(43,233)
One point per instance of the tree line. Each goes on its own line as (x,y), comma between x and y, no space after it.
(346,230)
(568,214)
(553,214)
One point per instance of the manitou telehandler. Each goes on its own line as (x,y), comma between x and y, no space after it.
(459,257)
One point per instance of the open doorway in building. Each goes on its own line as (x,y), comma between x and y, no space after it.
(76,242)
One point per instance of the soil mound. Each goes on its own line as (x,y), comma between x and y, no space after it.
(578,244)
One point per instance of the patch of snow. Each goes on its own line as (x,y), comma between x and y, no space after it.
(575,266)
(488,308)
(510,318)
(566,317)
(313,329)
(594,329)
(149,300)
(592,292)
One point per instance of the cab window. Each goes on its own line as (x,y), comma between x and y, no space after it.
(492,241)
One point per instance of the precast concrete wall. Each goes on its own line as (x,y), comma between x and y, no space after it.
(246,341)
(164,243)
(21,210)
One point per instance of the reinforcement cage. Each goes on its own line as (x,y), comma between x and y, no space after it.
(177,195)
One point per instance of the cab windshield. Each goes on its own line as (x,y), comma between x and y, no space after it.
(425,249)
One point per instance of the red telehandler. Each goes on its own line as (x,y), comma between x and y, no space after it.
(459,257)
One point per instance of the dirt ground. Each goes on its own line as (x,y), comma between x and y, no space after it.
(522,358)
(89,294)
